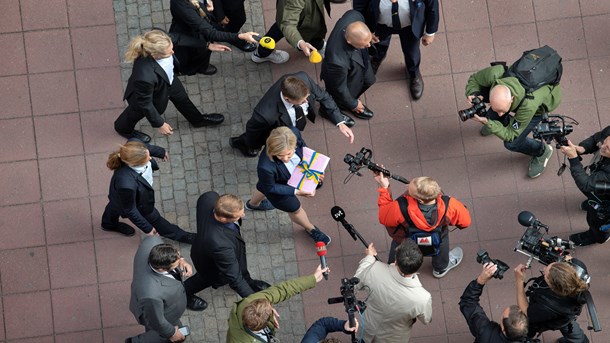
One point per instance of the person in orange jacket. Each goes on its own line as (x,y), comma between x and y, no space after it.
(423,214)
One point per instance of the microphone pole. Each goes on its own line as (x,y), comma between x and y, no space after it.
(338,214)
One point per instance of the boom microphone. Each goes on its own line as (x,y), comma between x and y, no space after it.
(321,250)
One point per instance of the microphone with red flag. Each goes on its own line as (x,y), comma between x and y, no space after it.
(321,250)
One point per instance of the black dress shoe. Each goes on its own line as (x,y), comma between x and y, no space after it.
(245,46)
(235,143)
(139,135)
(320,184)
(122,228)
(349,121)
(209,119)
(417,87)
(366,114)
(195,303)
(210,70)
(258,285)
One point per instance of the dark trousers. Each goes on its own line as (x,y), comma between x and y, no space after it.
(110,219)
(127,121)
(439,262)
(237,18)
(594,225)
(151,336)
(408,42)
(192,60)
(575,335)
(275,33)
(522,143)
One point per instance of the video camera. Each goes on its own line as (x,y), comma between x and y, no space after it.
(363,159)
(483,257)
(549,250)
(554,127)
(478,107)
(349,300)
(535,246)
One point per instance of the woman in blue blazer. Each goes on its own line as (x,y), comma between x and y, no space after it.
(284,151)
(131,194)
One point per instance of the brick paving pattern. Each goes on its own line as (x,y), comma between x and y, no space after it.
(63,279)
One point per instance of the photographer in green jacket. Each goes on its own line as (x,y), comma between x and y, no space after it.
(506,95)
(253,319)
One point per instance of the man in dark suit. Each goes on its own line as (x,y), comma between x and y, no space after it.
(412,20)
(292,93)
(158,299)
(219,251)
(151,85)
(346,69)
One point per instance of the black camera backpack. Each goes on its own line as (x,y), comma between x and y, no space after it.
(534,69)
(428,241)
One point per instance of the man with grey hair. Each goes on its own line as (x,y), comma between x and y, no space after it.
(506,95)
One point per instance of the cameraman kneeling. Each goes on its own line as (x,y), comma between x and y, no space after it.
(586,178)
(553,301)
(514,321)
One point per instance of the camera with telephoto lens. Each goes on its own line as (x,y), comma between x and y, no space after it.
(349,300)
(601,190)
(483,257)
(363,159)
(478,107)
(554,127)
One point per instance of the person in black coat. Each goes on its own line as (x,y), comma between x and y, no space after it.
(412,20)
(152,85)
(190,18)
(278,107)
(131,194)
(554,300)
(219,251)
(346,68)
(514,325)
(598,172)
(283,153)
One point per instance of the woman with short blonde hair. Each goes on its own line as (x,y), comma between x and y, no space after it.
(284,151)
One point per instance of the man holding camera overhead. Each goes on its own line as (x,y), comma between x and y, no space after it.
(593,180)
(514,325)
(506,95)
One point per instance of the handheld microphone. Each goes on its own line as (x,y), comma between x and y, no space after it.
(266,42)
(338,214)
(321,250)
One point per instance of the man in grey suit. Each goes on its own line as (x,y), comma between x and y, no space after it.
(158,299)
(346,68)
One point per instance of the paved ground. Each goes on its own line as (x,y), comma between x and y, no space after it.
(64,280)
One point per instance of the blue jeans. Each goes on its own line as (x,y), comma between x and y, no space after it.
(522,143)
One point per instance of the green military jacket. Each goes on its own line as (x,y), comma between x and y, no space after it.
(275,294)
(544,99)
(301,20)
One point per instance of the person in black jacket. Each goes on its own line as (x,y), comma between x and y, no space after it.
(283,153)
(346,68)
(131,194)
(152,85)
(318,331)
(278,108)
(554,301)
(219,251)
(514,325)
(189,18)
(586,178)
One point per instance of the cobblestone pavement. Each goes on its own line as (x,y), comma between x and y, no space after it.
(202,160)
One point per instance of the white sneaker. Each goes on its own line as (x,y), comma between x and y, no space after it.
(277,57)
(455,258)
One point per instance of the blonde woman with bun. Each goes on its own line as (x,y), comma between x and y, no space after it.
(152,85)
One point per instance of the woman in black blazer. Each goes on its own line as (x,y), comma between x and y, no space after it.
(131,193)
(284,151)
(189,18)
